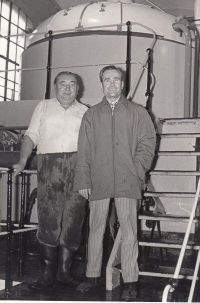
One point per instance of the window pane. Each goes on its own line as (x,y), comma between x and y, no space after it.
(2,64)
(5,9)
(10,85)
(21,38)
(9,94)
(12,51)
(17,77)
(19,52)
(2,82)
(4,27)
(14,14)
(22,20)
(2,75)
(11,73)
(1,91)
(13,33)
(3,48)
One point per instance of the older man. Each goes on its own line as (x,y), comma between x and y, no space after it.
(54,129)
(115,149)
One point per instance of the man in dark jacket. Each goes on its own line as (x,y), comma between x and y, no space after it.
(115,149)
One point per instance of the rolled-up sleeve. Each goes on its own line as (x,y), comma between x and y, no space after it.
(33,130)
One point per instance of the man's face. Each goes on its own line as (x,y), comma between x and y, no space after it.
(112,84)
(66,89)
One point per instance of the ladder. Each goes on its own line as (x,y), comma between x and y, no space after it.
(172,185)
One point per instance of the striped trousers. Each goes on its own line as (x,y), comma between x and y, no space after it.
(127,216)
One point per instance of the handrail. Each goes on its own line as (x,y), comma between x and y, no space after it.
(170,288)
(28,172)
(137,80)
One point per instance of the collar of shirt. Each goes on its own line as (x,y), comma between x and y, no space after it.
(114,103)
(71,106)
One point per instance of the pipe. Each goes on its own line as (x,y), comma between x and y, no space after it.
(82,13)
(188,58)
(197,14)
(196,71)
(48,82)
(148,91)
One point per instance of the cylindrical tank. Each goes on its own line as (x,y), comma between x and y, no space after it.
(89,36)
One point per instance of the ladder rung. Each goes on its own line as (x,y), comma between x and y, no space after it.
(178,153)
(167,245)
(164,275)
(169,194)
(180,135)
(162,217)
(165,272)
(162,271)
(175,173)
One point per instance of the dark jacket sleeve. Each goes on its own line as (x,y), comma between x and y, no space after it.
(82,179)
(146,142)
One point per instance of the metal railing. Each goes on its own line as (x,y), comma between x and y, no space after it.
(174,281)
(20,228)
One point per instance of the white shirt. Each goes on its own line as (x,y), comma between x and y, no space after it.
(54,129)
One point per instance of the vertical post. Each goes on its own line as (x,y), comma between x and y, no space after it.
(9,230)
(148,91)
(21,225)
(48,82)
(196,73)
(128,58)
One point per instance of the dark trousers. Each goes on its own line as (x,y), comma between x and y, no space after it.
(60,210)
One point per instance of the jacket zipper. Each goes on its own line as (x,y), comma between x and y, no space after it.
(113,137)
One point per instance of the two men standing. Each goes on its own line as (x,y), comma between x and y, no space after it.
(115,149)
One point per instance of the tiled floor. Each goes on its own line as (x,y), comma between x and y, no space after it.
(150,289)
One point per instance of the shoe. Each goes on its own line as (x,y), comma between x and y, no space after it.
(129,292)
(71,281)
(87,284)
(64,263)
(48,264)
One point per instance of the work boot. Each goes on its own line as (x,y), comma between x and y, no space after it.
(48,263)
(129,292)
(64,263)
(87,284)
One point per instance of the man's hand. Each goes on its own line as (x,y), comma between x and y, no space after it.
(85,193)
(18,168)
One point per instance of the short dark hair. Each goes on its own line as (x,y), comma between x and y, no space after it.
(109,67)
(65,73)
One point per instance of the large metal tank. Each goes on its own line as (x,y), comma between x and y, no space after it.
(87,37)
